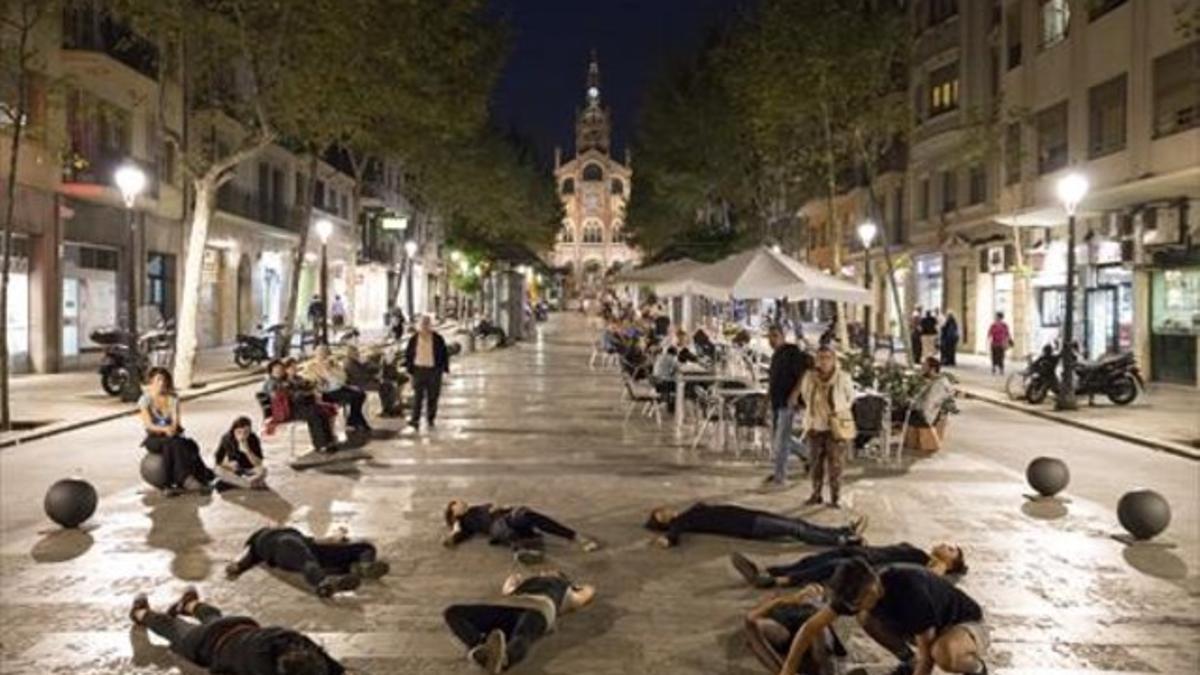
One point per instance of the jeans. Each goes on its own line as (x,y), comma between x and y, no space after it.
(188,638)
(353,397)
(827,456)
(779,527)
(783,444)
(998,358)
(523,528)
(521,627)
(319,430)
(427,387)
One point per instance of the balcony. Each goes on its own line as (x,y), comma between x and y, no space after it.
(246,204)
(89,29)
(84,168)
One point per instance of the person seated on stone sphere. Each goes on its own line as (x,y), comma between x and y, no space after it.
(819,567)
(773,624)
(162,417)
(901,607)
(329,565)
(499,633)
(235,645)
(239,459)
(744,523)
(519,527)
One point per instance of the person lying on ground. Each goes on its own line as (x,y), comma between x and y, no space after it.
(162,418)
(519,527)
(773,624)
(900,607)
(738,521)
(368,375)
(236,645)
(293,398)
(819,567)
(330,379)
(328,565)
(498,634)
(239,459)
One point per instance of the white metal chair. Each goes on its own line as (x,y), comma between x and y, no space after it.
(639,395)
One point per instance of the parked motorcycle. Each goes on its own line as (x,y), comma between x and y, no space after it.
(486,329)
(154,348)
(252,350)
(1116,376)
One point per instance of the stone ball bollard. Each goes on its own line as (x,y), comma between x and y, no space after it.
(1143,513)
(1048,475)
(70,502)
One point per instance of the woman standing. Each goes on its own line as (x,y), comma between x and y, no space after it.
(828,394)
(161,417)
(949,340)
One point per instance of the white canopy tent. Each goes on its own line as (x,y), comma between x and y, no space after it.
(652,274)
(760,273)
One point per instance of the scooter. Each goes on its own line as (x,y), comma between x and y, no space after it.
(117,363)
(252,350)
(1117,376)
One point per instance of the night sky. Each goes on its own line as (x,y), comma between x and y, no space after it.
(543,81)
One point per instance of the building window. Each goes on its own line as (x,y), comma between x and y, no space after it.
(898,235)
(1098,8)
(923,199)
(593,172)
(1012,33)
(943,89)
(618,188)
(319,195)
(978,192)
(1177,90)
(1056,17)
(1012,153)
(593,234)
(941,10)
(567,235)
(918,103)
(160,283)
(949,191)
(568,186)
(1052,138)
(1106,117)
(1052,302)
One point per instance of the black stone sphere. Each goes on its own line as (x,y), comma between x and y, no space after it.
(1048,475)
(154,470)
(1144,513)
(70,501)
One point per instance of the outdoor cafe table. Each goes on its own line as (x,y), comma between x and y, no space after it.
(690,374)
(724,398)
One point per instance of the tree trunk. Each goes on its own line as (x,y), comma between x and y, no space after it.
(185,328)
(294,299)
(891,269)
(18,123)
(836,225)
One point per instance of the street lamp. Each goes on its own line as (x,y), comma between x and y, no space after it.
(131,181)
(410,250)
(324,230)
(866,232)
(1071,190)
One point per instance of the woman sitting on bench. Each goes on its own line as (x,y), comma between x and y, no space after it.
(291,398)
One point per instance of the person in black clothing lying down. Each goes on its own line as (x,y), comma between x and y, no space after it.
(773,624)
(819,567)
(235,645)
(499,633)
(737,521)
(520,527)
(328,565)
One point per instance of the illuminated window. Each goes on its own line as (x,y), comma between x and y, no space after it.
(943,89)
(1052,138)
(593,234)
(1056,17)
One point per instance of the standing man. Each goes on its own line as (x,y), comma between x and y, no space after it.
(1000,339)
(828,393)
(949,340)
(427,359)
(788,365)
(316,310)
(929,335)
(337,313)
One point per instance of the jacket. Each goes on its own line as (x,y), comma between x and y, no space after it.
(229,449)
(441,355)
(842,393)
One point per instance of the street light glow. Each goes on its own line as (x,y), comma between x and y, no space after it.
(1071,190)
(866,232)
(130,180)
(324,230)
(410,247)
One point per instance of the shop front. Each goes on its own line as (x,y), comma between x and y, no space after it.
(1174,325)
(89,296)
(930,281)
(17,321)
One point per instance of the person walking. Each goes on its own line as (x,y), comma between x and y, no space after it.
(828,393)
(337,312)
(788,366)
(316,310)
(949,340)
(929,335)
(1000,340)
(427,360)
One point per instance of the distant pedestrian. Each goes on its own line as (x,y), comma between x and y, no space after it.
(1000,340)
(949,340)
(398,322)
(788,366)
(427,360)
(828,394)
(316,311)
(337,313)
(929,335)
(914,334)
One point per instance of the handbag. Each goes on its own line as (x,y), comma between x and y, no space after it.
(842,428)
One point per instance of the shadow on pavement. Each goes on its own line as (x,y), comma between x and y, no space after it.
(1156,560)
(63,545)
(175,525)
(267,502)
(1044,509)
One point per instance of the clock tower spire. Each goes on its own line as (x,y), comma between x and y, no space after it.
(592,129)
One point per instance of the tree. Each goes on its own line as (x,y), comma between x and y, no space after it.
(20,61)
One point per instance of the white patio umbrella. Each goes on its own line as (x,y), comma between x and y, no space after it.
(762,273)
(651,274)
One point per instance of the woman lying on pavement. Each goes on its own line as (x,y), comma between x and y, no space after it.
(900,606)
(232,644)
(737,521)
(520,527)
(498,634)
(328,565)
(819,567)
(774,623)
(239,459)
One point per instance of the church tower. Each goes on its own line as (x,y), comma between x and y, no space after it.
(594,189)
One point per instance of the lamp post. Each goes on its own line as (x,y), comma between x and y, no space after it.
(866,232)
(131,181)
(1071,190)
(324,230)
(410,250)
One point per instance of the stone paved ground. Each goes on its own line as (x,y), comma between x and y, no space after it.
(534,425)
